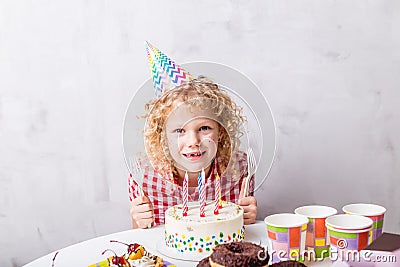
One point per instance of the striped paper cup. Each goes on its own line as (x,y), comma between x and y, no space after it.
(375,212)
(286,236)
(348,232)
(316,237)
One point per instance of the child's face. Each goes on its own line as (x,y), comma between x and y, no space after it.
(192,136)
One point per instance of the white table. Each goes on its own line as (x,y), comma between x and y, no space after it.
(88,252)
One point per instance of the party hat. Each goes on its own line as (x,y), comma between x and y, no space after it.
(166,73)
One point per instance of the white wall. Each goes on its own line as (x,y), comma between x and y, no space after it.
(329,69)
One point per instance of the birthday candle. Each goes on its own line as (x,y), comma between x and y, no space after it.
(199,180)
(217,194)
(203,194)
(185,195)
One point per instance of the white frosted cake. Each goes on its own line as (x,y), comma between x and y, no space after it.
(193,233)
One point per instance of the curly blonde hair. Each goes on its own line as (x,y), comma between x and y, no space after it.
(205,95)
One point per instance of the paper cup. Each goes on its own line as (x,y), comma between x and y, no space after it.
(349,222)
(286,236)
(372,211)
(348,232)
(316,237)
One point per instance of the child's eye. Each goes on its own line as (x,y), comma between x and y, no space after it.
(205,128)
(178,131)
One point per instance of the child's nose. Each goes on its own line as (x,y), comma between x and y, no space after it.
(192,139)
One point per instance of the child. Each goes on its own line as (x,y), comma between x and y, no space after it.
(193,126)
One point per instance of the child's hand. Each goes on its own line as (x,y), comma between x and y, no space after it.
(142,212)
(249,205)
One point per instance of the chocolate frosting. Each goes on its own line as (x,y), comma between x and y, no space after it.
(288,264)
(204,263)
(240,254)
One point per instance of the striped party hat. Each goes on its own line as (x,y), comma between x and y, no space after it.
(165,72)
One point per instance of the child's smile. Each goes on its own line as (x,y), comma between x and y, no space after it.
(194,155)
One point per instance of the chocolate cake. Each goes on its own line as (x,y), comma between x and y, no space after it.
(239,254)
(204,263)
(243,254)
(288,264)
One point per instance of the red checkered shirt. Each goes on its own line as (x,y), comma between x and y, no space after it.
(165,193)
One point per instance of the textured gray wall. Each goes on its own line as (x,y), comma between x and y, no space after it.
(329,69)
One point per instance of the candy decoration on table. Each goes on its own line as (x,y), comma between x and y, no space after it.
(201,189)
(217,194)
(165,72)
(185,195)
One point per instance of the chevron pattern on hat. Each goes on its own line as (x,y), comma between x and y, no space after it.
(165,72)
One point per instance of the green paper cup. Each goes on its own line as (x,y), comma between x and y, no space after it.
(286,236)
(317,242)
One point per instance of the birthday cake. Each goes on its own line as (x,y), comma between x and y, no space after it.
(193,233)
